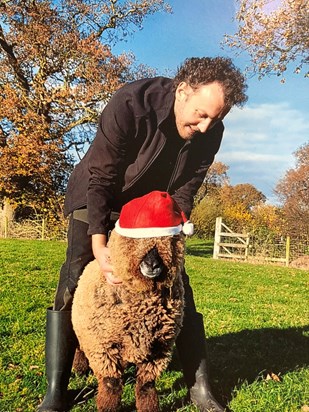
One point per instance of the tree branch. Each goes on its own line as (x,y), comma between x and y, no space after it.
(8,49)
(3,137)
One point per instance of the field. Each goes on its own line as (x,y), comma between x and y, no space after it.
(256,319)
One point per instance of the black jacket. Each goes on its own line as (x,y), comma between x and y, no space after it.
(124,158)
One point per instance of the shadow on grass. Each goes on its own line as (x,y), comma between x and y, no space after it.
(203,248)
(244,356)
(249,354)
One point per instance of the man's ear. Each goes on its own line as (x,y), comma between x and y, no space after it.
(182,91)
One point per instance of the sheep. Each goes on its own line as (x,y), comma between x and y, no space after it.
(135,322)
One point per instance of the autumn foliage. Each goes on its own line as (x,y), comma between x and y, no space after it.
(57,72)
(236,204)
(293,191)
(274,34)
(245,210)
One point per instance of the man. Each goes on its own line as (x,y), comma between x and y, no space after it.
(154,134)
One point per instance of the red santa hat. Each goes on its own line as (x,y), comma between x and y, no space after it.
(155,214)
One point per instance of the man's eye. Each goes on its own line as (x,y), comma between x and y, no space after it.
(201,115)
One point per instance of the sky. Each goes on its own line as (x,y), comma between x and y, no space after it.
(259,139)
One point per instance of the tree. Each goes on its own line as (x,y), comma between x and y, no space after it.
(268,220)
(238,202)
(57,72)
(274,33)
(234,203)
(293,192)
(243,193)
(215,178)
(204,215)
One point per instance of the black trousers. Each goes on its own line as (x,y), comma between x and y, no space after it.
(79,254)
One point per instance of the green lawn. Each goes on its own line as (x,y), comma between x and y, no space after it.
(256,319)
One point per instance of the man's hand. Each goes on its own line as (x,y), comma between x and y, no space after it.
(102,255)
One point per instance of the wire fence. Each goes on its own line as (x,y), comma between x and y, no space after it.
(279,248)
(39,228)
(294,252)
(271,248)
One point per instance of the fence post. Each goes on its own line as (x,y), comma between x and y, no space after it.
(287,250)
(6,227)
(43,228)
(217,238)
(247,246)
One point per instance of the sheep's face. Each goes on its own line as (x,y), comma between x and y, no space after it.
(141,263)
(152,265)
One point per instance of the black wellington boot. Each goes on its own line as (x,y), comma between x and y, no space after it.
(192,355)
(61,343)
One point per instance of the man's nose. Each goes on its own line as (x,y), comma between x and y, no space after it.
(204,125)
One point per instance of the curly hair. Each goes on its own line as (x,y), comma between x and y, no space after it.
(200,71)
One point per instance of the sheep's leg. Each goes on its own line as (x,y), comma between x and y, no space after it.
(145,392)
(80,362)
(109,394)
(107,366)
(146,397)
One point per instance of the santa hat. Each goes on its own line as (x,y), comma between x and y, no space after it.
(155,214)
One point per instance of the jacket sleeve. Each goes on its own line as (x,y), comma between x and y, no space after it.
(204,157)
(106,160)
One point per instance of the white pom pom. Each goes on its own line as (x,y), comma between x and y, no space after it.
(188,228)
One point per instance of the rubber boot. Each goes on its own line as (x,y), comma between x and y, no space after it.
(61,343)
(191,350)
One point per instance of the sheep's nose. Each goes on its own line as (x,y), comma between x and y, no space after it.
(152,265)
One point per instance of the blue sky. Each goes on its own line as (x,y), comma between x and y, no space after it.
(259,139)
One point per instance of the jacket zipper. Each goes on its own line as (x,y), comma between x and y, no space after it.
(171,181)
(143,171)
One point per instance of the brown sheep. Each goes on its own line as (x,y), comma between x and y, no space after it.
(135,322)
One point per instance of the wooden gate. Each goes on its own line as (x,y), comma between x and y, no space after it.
(229,244)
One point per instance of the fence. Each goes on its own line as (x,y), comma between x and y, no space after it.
(227,244)
(231,245)
(39,228)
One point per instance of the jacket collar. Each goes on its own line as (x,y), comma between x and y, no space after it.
(166,104)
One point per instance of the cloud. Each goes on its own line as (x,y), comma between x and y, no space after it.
(248,157)
(259,142)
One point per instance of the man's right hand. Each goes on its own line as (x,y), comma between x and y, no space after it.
(102,255)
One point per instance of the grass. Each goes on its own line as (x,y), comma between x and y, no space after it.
(256,319)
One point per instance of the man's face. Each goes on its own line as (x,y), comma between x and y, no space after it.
(197,110)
